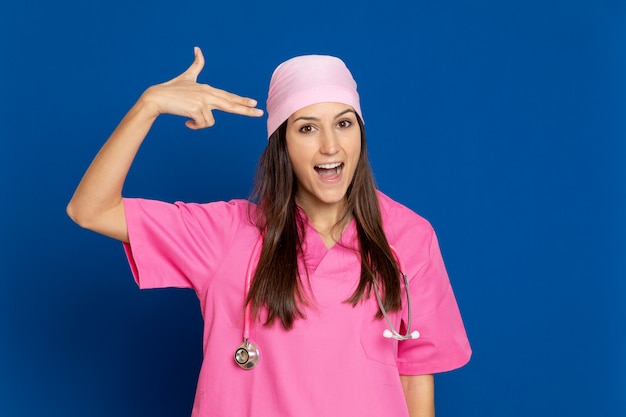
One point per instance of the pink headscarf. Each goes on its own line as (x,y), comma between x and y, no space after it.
(306,80)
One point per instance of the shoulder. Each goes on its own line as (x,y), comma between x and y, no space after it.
(397,217)
(231,207)
(235,205)
(224,212)
(410,234)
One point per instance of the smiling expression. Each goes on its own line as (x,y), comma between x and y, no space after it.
(324,145)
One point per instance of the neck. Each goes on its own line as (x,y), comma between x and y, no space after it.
(329,220)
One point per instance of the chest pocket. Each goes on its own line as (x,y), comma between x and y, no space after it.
(334,281)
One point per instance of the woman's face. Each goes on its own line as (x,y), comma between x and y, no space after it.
(324,144)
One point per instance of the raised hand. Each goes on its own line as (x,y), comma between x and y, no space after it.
(97,202)
(184,96)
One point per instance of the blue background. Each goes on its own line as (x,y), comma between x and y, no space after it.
(503,123)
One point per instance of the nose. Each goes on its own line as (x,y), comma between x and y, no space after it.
(329,142)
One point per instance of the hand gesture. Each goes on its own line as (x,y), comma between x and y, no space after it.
(184,96)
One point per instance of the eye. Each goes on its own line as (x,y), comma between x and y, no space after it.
(307,129)
(344,124)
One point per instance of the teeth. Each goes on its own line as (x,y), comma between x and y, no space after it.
(329,166)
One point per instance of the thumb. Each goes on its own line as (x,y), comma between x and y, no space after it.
(196,66)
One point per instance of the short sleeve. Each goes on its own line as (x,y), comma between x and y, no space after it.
(443,344)
(179,245)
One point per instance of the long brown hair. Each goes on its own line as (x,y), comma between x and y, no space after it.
(277,284)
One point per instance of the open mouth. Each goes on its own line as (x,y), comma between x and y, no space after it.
(329,170)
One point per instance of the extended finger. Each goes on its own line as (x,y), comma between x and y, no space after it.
(245,101)
(248,108)
(196,66)
(233,103)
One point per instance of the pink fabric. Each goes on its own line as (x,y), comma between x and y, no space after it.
(333,363)
(306,80)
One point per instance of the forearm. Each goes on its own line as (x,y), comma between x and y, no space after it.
(419,392)
(99,193)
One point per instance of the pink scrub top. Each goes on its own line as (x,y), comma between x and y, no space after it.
(334,362)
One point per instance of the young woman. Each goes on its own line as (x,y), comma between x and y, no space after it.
(323,297)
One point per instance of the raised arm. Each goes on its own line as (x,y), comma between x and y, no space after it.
(97,202)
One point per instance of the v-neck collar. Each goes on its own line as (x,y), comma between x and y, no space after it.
(315,249)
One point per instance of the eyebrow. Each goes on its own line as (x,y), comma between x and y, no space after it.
(306,118)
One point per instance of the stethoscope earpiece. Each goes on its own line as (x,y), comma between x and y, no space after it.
(247,355)
(389,334)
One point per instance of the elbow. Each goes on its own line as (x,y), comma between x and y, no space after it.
(109,222)
(73,213)
(78,214)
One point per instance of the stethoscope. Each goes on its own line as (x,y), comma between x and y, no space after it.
(247,354)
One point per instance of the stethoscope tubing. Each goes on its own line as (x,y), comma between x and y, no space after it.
(254,259)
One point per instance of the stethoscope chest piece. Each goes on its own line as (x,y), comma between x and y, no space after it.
(247,355)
